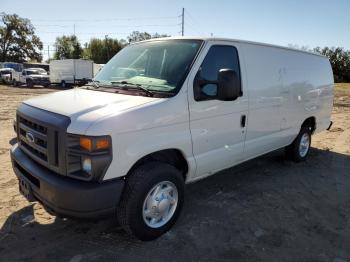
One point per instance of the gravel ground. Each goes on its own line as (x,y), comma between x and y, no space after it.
(268,209)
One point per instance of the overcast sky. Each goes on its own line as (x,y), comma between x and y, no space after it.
(301,22)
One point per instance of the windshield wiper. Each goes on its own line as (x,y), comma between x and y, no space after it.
(95,83)
(126,85)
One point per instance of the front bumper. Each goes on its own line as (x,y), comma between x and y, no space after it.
(41,81)
(66,196)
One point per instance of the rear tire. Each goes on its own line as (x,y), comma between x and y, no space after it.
(299,149)
(152,200)
(63,84)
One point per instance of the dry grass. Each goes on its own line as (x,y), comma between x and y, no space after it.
(342,86)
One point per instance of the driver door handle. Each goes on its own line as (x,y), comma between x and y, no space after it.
(243,120)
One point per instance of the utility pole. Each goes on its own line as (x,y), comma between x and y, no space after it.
(106,37)
(48,53)
(183,22)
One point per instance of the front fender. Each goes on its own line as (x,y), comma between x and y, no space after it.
(128,148)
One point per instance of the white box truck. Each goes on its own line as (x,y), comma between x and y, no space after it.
(163,113)
(69,72)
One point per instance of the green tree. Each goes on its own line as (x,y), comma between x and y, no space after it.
(136,36)
(101,51)
(68,47)
(18,42)
(340,61)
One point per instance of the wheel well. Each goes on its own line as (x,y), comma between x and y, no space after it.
(173,157)
(310,122)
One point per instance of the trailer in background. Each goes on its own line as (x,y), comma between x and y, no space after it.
(16,66)
(71,72)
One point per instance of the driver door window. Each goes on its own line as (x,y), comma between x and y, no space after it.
(218,57)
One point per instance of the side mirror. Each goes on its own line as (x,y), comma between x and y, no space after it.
(229,86)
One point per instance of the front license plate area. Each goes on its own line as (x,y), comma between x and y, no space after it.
(26,190)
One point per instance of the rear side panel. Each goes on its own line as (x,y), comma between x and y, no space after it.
(308,81)
(285,88)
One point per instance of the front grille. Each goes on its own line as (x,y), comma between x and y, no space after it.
(33,138)
(33,126)
(37,153)
(41,135)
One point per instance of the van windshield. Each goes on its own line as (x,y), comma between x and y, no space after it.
(38,71)
(156,65)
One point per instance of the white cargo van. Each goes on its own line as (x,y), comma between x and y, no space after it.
(163,113)
(69,72)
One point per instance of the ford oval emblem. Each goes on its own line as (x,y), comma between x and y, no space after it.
(30,137)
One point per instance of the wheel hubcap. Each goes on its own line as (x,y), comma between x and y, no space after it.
(160,204)
(304,145)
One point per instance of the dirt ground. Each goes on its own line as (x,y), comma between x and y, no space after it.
(268,209)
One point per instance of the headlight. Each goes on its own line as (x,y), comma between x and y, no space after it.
(86,165)
(88,157)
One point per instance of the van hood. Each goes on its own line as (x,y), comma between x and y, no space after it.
(39,76)
(84,107)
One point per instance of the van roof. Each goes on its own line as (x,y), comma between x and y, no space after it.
(234,40)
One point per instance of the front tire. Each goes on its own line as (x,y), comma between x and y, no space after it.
(29,83)
(152,200)
(299,149)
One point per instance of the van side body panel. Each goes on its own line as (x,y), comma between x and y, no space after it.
(285,88)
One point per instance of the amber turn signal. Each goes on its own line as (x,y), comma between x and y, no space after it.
(102,143)
(86,143)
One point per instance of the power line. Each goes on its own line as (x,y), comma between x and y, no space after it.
(106,19)
(111,25)
(196,25)
(88,33)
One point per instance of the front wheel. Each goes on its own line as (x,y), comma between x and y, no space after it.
(29,83)
(152,200)
(299,149)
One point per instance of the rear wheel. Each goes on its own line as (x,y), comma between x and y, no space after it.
(14,82)
(299,149)
(63,84)
(152,200)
